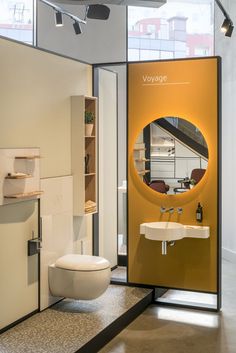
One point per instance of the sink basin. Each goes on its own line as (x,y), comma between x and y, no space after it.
(163,231)
(169,231)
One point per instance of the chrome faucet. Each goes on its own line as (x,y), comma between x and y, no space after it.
(165,210)
(179,210)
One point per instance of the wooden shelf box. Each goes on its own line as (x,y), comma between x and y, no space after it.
(19,174)
(84,181)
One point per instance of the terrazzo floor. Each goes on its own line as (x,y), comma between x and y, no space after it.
(68,325)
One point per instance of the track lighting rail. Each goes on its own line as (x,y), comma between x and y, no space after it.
(63,11)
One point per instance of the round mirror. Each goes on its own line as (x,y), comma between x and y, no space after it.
(171,155)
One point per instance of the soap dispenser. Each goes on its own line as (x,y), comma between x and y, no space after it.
(199,213)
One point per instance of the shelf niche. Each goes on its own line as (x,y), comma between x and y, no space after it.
(19,175)
(84,180)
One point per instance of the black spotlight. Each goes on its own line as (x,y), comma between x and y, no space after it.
(77,27)
(58,19)
(227,27)
(98,12)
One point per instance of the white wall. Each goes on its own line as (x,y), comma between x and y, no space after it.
(35,95)
(121,71)
(122,120)
(226,48)
(60,234)
(35,90)
(107,93)
(18,272)
(100,42)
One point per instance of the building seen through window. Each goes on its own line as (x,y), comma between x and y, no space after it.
(178,29)
(16,20)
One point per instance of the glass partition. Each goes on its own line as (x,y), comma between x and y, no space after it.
(178,29)
(16,20)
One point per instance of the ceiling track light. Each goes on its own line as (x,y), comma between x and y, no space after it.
(227,26)
(58,16)
(77,27)
(58,19)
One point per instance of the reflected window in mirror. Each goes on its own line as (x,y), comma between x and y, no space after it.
(171,155)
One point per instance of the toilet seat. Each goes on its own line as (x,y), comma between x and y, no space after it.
(87,263)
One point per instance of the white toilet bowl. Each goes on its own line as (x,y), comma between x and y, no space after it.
(79,276)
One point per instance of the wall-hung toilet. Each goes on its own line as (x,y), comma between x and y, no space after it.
(79,276)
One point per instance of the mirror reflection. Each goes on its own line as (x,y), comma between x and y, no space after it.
(171,155)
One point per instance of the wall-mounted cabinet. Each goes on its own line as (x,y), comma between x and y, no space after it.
(19,174)
(84,155)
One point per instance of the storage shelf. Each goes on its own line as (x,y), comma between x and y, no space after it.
(92,212)
(20,173)
(19,176)
(164,146)
(91,207)
(142,160)
(27,157)
(23,195)
(143,172)
(140,149)
(84,155)
(90,174)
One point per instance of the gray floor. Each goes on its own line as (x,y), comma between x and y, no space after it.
(119,274)
(167,330)
(68,325)
(203,300)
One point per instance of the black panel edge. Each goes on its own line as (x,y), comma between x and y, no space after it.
(8,327)
(122,260)
(127,168)
(117,169)
(219,266)
(113,268)
(95,217)
(39,255)
(116,327)
(219,182)
(35,47)
(155,61)
(151,286)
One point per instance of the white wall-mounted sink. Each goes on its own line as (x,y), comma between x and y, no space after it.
(169,231)
(162,231)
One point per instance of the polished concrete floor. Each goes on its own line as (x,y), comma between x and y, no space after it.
(168,330)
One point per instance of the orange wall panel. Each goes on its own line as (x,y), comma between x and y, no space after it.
(187,89)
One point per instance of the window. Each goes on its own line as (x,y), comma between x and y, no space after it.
(16,20)
(175,31)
